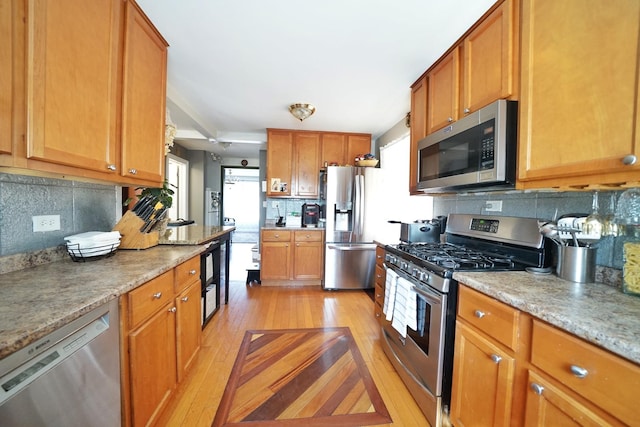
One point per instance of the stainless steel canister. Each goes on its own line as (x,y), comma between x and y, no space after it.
(577,263)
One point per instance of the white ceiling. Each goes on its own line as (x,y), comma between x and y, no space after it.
(236,65)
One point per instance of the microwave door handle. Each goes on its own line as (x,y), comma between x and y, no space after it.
(427,295)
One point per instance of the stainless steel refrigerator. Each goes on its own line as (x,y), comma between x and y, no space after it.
(349,249)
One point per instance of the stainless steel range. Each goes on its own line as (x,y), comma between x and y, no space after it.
(421,296)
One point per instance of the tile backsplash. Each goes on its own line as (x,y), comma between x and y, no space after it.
(81,206)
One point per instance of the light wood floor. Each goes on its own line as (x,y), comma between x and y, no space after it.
(196,399)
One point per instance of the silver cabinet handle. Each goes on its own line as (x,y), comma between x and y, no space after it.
(479,314)
(192,272)
(578,371)
(133,171)
(297,244)
(184,299)
(629,159)
(111,167)
(537,388)
(496,358)
(277,236)
(467,111)
(157,295)
(173,310)
(450,119)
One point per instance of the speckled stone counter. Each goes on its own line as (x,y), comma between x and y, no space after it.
(193,234)
(35,301)
(600,314)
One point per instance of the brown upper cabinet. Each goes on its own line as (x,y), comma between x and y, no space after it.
(481,67)
(295,158)
(477,70)
(579,113)
(87,107)
(6,77)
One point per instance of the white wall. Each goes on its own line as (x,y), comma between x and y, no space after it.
(394,201)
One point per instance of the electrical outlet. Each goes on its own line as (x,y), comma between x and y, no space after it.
(493,206)
(275,204)
(46,223)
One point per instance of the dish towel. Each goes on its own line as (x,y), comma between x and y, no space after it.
(402,307)
(411,316)
(390,293)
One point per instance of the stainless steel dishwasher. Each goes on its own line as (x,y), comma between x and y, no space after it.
(70,377)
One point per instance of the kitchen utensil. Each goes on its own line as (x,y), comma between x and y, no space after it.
(577,263)
(550,231)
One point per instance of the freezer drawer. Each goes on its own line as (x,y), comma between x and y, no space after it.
(349,266)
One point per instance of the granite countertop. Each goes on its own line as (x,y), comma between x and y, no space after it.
(598,313)
(35,301)
(193,234)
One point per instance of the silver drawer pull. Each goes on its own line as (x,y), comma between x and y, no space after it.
(157,295)
(496,358)
(185,299)
(537,388)
(173,310)
(578,371)
(629,159)
(133,171)
(111,167)
(479,314)
(192,272)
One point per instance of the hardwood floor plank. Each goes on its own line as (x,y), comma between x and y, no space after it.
(196,401)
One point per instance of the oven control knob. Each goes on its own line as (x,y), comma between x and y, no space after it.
(404,265)
(415,272)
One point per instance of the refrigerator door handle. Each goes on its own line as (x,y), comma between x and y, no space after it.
(356,207)
(363,247)
(361,220)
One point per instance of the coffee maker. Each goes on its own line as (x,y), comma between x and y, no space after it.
(310,214)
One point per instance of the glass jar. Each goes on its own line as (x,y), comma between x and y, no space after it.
(631,269)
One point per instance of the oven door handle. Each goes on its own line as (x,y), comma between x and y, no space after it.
(435,299)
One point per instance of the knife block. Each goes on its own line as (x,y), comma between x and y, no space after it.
(129,227)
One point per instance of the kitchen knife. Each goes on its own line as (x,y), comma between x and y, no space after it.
(142,204)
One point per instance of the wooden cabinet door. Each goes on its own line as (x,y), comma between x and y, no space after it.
(307,260)
(333,148)
(73,82)
(144,97)
(579,110)
(275,261)
(443,92)
(357,144)
(489,59)
(483,377)
(548,405)
(188,328)
(152,359)
(6,76)
(306,164)
(279,161)
(418,129)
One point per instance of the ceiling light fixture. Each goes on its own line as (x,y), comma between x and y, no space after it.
(301,111)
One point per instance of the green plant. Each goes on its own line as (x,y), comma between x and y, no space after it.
(162,194)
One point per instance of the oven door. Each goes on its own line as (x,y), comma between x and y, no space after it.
(421,352)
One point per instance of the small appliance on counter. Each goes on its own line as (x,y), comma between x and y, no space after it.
(422,230)
(310,215)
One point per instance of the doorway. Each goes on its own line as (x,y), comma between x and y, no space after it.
(177,173)
(241,202)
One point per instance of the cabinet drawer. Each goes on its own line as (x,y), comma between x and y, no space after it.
(186,272)
(603,378)
(379,255)
(276,235)
(381,276)
(379,295)
(150,297)
(308,236)
(492,317)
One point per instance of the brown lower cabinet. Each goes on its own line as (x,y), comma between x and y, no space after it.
(291,256)
(161,335)
(512,369)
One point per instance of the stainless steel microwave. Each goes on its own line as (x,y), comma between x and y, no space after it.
(476,153)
